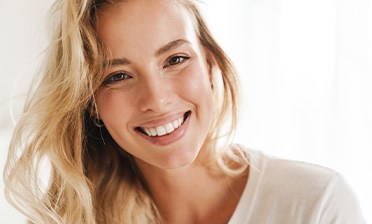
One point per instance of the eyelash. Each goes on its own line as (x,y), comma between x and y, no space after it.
(181,59)
(119,76)
(116,77)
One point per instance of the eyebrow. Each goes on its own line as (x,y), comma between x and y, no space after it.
(168,47)
(119,61)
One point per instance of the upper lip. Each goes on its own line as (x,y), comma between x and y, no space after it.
(162,120)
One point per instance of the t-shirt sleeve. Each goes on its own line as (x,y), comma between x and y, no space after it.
(341,205)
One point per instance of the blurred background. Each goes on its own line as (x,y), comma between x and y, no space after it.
(305,69)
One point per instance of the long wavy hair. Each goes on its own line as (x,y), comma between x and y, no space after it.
(61,168)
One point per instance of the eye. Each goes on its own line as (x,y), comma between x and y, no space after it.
(115,78)
(175,60)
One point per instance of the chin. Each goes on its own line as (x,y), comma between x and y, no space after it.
(182,160)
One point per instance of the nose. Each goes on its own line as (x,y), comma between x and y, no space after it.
(155,94)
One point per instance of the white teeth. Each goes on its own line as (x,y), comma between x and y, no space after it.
(175,124)
(165,129)
(161,130)
(180,121)
(152,132)
(169,127)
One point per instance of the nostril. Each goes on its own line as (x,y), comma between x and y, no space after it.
(155,93)
(155,102)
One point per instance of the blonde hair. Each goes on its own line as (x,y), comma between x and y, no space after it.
(87,184)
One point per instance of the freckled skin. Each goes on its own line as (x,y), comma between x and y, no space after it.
(135,30)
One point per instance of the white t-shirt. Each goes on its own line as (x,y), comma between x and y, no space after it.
(290,192)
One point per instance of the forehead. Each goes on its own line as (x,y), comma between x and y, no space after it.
(144,23)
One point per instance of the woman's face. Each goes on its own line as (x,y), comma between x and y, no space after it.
(156,99)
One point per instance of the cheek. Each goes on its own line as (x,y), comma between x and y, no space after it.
(197,87)
(111,104)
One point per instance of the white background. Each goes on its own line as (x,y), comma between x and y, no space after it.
(305,68)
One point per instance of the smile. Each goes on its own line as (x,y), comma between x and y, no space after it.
(163,129)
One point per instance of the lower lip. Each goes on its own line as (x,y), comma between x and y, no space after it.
(169,138)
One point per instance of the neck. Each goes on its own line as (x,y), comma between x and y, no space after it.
(191,193)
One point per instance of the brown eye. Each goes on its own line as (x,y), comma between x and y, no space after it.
(176,60)
(116,77)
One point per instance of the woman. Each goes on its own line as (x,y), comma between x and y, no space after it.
(128,115)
